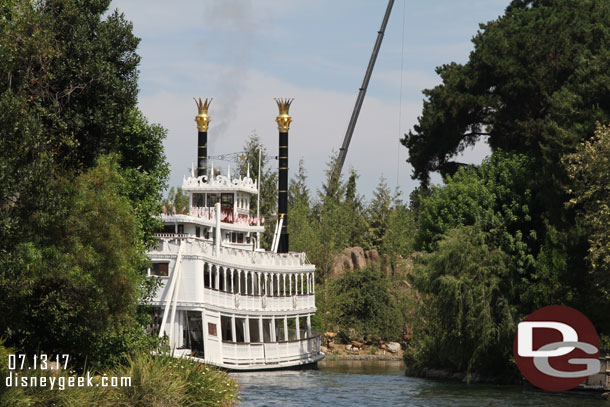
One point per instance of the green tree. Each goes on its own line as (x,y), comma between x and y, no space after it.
(353,212)
(467,317)
(398,237)
(495,197)
(82,276)
(536,82)
(362,300)
(590,196)
(69,93)
(339,219)
(298,190)
(301,226)
(176,200)
(268,185)
(378,212)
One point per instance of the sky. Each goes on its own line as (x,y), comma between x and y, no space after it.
(244,53)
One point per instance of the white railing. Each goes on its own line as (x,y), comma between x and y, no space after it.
(170,245)
(226,216)
(256,302)
(253,354)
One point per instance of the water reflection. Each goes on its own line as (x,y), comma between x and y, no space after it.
(371,383)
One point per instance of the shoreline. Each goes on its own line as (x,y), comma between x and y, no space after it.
(380,358)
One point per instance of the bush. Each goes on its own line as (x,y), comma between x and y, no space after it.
(156,381)
(362,303)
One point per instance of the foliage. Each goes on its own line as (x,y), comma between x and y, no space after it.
(590,196)
(192,383)
(362,301)
(483,266)
(144,170)
(176,201)
(378,212)
(494,194)
(534,87)
(588,168)
(268,185)
(156,381)
(467,313)
(537,81)
(73,222)
(76,73)
(397,241)
(301,226)
(80,279)
(339,219)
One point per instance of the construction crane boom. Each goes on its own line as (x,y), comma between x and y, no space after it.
(365,83)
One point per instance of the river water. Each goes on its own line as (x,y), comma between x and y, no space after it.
(374,383)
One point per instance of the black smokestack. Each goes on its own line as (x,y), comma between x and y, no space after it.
(203,121)
(283,124)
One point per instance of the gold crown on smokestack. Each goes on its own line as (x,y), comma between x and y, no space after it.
(284,119)
(202,119)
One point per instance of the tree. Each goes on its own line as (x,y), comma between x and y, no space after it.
(68,98)
(268,185)
(588,168)
(298,191)
(361,300)
(495,197)
(339,218)
(378,212)
(467,314)
(301,226)
(77,71)
(74,288)
(537,81)
(144,170)
(398,237)
(176,200)
(590,196)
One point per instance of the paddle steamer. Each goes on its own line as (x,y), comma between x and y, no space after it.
(222,299)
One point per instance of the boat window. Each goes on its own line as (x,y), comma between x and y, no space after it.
(197,231)
(206,276)
(169,229)
(212,329)
(160,269)
(240,238)
(180,228)
(198,200)
(212,199)
(227,201)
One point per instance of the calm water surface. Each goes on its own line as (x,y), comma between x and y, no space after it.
(366,383)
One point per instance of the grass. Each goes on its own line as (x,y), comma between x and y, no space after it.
(156,381)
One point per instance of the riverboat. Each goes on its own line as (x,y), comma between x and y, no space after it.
(222,299)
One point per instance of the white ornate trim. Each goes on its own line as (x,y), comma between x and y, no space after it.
(202,182)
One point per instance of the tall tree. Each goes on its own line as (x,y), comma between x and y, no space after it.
(467,314)
(590,195)
(268,184)
(536,82)
(301,226)
(378,212)
(176,200)
(74,287)
(68,79)
(298,190)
